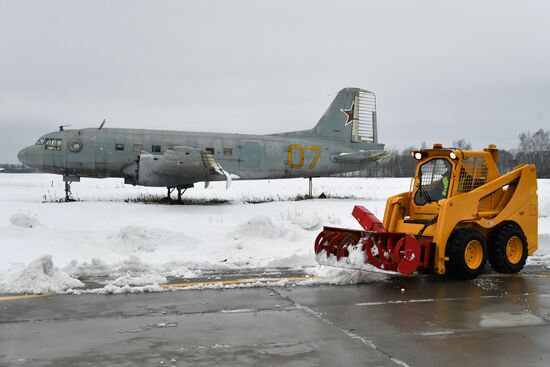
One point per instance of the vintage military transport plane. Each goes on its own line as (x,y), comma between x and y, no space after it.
(344,140)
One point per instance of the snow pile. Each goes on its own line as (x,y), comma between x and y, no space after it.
(354,261)
(138,280)
(94,267)
(313,222)
(146,283)
(24,220)
(340,276)
(114,289)
(145,239)
(544,208)
(40,276)
(542,256)
(259,227)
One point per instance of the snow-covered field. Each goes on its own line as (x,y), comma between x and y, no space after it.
(109,232)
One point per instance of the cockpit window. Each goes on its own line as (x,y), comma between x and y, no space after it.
(40,141)
(434,178)
(52,144)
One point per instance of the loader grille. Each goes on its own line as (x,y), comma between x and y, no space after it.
(473,174)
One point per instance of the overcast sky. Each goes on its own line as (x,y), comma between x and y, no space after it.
(478,70)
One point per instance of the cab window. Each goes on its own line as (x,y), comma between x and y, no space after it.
(434,177)
(53,144)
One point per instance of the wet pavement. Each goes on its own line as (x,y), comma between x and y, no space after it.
(419,321)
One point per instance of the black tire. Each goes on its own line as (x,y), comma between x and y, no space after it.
(510,262)
(462,265)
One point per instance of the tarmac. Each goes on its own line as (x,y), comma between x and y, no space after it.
(398,321)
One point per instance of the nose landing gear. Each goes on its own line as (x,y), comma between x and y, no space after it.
(68,181)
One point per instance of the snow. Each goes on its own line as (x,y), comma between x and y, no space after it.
(23,220)
(109,232)
(40,276)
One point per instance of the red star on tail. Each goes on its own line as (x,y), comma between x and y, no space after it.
(349,114)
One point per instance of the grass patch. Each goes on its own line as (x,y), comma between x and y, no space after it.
(159,199)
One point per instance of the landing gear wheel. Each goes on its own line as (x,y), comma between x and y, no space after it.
(467,253)
(508,249)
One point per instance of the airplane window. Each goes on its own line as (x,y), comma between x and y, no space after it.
(155,148)
(210,150)
(119,146)
(53,144)
(227,151)
(138,148)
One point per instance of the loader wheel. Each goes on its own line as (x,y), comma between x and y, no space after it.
(467,253)
(508,249)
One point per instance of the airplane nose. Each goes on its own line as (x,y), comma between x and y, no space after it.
(22,155)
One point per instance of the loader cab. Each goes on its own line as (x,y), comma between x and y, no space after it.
(442,173)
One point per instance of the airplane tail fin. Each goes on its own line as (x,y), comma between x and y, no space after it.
(350,118)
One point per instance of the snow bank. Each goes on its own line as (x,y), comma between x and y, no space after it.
(114,289)
(544,208)
(259,227)
(40,276)
(313,221)
(138,280)
(24,220)
(145,239)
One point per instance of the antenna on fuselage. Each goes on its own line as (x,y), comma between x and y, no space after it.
(101,126)
(62,127)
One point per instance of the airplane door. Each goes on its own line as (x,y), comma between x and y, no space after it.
(100,155)
(250,155)
(81,155)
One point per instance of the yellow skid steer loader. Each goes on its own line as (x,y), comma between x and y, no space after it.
(459,213)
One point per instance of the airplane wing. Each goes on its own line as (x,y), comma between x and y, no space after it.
(187,164)
(359,156)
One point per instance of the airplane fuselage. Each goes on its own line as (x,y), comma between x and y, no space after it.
(113,152)
(344,140)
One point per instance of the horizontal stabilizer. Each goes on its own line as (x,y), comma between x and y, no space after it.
(360,156)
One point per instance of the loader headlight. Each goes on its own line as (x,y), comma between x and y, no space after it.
(417,155)
(452,155)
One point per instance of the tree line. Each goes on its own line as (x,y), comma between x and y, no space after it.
(532,148)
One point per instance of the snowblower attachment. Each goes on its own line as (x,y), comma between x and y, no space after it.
(459,213)
(398,252)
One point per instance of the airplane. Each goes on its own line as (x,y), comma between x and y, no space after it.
(344,140)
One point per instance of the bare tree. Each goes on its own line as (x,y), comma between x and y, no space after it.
(462,144)
(535,148)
